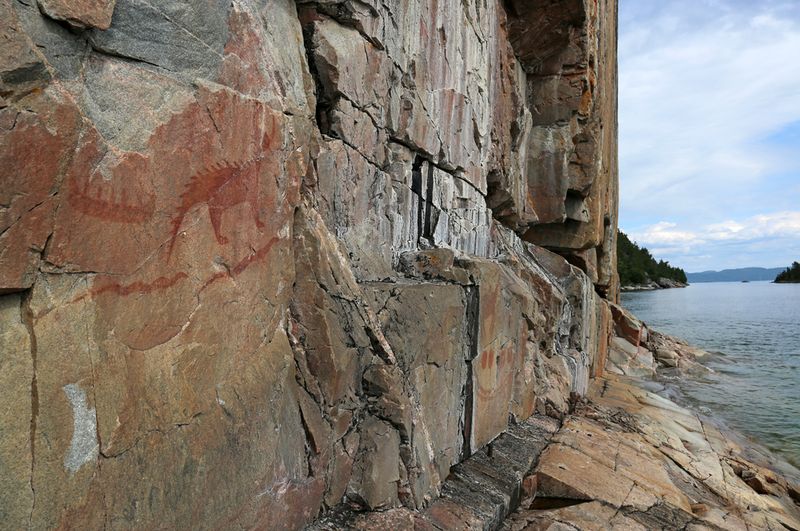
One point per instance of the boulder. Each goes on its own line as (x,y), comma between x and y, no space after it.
(376,473)
(627,326)
(667,357)
(82,13)
(626,358)
(667,283)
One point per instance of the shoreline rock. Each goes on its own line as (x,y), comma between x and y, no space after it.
(625,457)
(661,283)
(631,459)
(639,351)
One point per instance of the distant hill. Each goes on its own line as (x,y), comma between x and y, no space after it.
(735,275)
(637,266)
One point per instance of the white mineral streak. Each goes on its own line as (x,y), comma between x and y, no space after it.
(84,447)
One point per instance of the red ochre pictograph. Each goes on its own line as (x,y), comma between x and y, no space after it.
(236,270)
(221,186)
(504,359)
(163,282)
(101,200)
(137,287)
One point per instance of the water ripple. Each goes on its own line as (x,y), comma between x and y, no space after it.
(753,331)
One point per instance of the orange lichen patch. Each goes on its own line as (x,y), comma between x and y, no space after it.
(585,106)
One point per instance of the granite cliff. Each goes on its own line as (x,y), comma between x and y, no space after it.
(267,263)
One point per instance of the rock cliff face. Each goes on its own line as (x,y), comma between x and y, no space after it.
(263,260)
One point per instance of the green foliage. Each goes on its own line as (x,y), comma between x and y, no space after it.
(636,265)
(791,274)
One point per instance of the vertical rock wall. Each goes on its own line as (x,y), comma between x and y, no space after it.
(260,259)
(568,52)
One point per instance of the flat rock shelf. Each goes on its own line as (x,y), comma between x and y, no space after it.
(626,458)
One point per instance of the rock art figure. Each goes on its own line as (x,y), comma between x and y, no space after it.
(221,186)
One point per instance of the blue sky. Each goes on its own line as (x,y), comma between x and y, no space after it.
(710,130)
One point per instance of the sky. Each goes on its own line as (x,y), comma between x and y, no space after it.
(709,131)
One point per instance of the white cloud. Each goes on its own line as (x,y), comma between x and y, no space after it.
(774,237)
(664,233)
(697,99)
(774,225)
(703,86)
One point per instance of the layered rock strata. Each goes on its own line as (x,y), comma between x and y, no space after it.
(260,261)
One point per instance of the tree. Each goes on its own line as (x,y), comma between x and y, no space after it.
(790,274)
(636,265)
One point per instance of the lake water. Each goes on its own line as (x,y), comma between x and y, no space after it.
(753,329)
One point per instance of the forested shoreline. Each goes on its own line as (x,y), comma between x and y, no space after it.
(637,266)
(790,275)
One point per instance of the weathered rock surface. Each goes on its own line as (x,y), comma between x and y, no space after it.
(265,264)
(479,493)
(16,374)
(568,51)
(261,262)
(639,351)
(80,13)
(625,458)
(630,459)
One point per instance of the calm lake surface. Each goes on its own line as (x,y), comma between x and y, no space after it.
(753,329)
